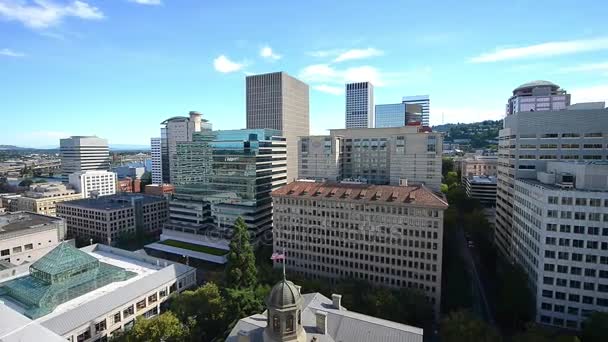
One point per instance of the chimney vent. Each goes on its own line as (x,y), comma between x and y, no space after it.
(337,301)
(321,318)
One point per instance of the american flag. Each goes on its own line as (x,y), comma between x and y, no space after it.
(277,256)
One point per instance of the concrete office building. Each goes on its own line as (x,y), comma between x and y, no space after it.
(129,171)
(425,102)
(359,105)
(178,129)
(478,166)
(157,162)
(159,189)
(537,96)
(279,101)
(106,218)
(87,294)
(294,317)
(377,156)
(481,188)
(41,198)
(83,153)
(397,115)
(386,235)
(560,237)
(531,139)
(94,183)
(25,237)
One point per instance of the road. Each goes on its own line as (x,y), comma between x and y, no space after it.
(480,305)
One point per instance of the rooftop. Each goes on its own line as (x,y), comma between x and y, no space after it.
(415,195)
(342,325)
(147,273)
(537,83)
(15,221)
(482,179)
(112,202)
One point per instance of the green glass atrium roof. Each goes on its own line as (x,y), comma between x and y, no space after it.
(60,276)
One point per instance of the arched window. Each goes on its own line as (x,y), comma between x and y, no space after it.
(289,326)
(276,324)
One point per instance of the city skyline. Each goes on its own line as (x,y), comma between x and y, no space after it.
(92,71)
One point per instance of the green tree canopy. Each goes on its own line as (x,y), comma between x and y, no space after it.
(461,326)
(26,182)
(241,271)
(447,165)
(596,328)
(165,327)
(204,309)
(515,301)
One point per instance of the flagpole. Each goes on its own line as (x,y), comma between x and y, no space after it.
(284,260)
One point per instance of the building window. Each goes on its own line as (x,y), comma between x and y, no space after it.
(28,247)
(5,252)
(276,324)
(289,325)
(100,326)
(128,311)
(84,336)
(117,317)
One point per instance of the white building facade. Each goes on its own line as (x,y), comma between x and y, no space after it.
(560,237)
(360,105)
(94,183)
(83,153)
(157,163)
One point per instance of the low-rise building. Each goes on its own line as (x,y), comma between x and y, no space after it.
(94,183)
(128,184)
(479,166)
(129,171)
(294,317)
(560,238)
(106,218)
(25,237)
(42,198)
(481,188)
(386,235)
(86,294)
(159,189)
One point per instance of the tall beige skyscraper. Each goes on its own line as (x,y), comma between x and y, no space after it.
(279,101)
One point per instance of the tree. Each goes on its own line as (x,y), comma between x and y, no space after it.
(460,326)
(515,301)
(146,179)
(204,309)
(241,271)
(165,327)
(447,165)
(26,182)
(451,178)
(444,188)
(242,302)
(595,328)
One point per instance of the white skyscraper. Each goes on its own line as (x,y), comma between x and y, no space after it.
(360,105)
(83,153)
(157,164)
(422,100)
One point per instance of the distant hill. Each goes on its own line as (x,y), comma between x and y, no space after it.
(49,148)
(480,134)
(11,147)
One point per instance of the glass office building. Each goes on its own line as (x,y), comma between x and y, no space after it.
(397,115)
(424,101)
(234,171)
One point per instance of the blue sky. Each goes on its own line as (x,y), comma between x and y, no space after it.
(117,68)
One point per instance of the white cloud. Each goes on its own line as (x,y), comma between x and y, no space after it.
(329,89)
(589,67)
(358,54)
(543,50)
(324,53)
(225,65)
(39,14)
(11,53)
(590,94)
(363,74)
(320,73)
(147,2)
(267,53)
(463,115)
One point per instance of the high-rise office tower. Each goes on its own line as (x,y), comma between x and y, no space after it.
(157,162)
(397,115)
(360,105)
(176,129)
(393,155)
(422,100)
(530,139)
(537,96)
(83,153)
(279,101)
